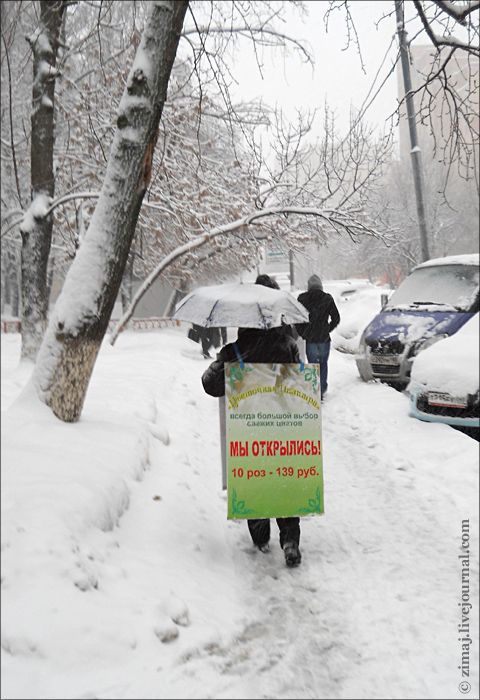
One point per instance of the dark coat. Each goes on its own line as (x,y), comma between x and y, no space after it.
(209,337)
(323,316)
(273,345)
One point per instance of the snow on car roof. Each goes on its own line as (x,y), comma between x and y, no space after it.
(452,364)
(467,259)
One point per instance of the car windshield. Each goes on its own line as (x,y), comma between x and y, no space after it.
(448,287)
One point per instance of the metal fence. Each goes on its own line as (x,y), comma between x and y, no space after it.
(135,324)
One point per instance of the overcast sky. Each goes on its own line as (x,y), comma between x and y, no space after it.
(337,76)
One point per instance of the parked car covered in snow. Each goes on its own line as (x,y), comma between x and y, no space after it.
(356,311)
(344,290)
(444,386)
(436,299)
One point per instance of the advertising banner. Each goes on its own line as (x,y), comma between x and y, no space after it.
(273,440)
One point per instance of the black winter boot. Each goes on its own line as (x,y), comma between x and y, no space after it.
(292,554)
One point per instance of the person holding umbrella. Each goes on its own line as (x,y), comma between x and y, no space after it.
(271,282)
(257,345)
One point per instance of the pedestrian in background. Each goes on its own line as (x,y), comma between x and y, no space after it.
(207,337)
(323,318)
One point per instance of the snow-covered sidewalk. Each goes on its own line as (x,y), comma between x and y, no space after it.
(122,577)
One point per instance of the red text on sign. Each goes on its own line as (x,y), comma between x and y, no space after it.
(274,448)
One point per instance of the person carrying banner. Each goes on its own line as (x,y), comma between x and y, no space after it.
(271,346)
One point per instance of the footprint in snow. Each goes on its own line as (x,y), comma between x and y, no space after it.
(171,614)
(159,433)
(165,629)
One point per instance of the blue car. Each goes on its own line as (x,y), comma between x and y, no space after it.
(436,299)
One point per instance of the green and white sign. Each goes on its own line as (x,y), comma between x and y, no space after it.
(273,440)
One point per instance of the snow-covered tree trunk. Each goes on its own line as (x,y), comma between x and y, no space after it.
(80,318)
(36,229)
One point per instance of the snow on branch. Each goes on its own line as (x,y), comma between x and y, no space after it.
(38,209)
(41,212)
(335,218)
(459,11)
(69,197)
(40,42)
(437,40)
(258,34)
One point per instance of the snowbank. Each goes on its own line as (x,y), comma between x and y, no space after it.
(171,600)
(63,484)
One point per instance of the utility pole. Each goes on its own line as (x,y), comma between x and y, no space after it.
(292,270)
(415,151)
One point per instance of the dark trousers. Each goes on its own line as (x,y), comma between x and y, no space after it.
(289,530)
(210,338)
(206,344)
(318,353)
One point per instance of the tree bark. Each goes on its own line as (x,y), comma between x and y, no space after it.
(37,231)
(80,318)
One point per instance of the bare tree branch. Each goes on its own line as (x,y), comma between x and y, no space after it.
(337,219)
(12,144)
(458,11)
(438,41)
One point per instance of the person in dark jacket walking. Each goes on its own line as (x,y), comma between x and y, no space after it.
(208,337)
(254,345)
(323,318)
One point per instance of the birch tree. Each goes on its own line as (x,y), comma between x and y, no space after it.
(82,312)
(53,132)
(201,177)
(99,37)
(80,318)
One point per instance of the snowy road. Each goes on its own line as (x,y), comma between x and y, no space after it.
(372,612)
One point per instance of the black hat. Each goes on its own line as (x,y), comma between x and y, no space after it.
(267,281)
